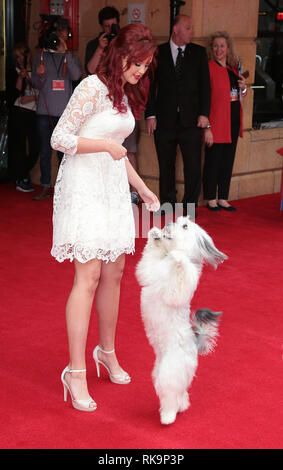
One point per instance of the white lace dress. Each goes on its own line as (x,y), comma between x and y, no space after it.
(92,214)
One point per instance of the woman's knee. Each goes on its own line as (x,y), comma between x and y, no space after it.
(88,275)
(118,274)
(113,272)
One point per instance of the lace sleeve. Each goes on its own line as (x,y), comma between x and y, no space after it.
(83,103)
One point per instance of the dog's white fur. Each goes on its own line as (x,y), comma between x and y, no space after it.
(168,272)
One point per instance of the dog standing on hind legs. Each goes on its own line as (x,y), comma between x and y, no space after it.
(169,272)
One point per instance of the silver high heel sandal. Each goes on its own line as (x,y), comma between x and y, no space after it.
(123,378)
(81,405)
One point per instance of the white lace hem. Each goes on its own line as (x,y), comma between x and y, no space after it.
(83,255)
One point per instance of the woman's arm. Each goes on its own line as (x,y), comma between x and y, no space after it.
(86,145)
(134,179)
(151,200)
(82,104)
(28,99)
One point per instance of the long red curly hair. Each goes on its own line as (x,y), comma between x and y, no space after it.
(134,42)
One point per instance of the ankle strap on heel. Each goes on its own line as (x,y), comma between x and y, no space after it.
(76,370)
(106,352)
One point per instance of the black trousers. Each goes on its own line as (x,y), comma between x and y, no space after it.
(218,167)
(45,127)
(166,142)
(22,130)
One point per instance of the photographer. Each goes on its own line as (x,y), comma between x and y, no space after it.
(54,69)
(107,17)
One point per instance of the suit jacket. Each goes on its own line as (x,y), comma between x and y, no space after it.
(192,96)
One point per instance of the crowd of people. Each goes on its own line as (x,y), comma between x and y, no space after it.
(194,97)
(187,99)
(38,92)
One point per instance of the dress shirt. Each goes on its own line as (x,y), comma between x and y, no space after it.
(174,50)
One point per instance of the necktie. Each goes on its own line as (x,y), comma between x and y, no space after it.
(179,62)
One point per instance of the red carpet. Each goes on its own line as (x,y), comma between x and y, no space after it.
(236,398)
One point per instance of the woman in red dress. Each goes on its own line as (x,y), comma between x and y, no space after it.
(221,136)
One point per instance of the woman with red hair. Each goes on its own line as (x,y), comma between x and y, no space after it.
(93,223)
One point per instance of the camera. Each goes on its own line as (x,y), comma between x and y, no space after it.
(50,25)
(113,32)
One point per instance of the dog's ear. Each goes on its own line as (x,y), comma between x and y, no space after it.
(208,250)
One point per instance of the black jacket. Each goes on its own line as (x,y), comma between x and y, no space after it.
(191,97)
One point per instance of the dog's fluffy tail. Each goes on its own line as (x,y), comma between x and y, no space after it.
(205,326)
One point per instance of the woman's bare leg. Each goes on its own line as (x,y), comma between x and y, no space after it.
(107,306)
(78,312)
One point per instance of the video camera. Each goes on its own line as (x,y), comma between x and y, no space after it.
(50,25)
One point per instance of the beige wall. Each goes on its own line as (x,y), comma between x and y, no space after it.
(257,168)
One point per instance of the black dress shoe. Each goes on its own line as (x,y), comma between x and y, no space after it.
(213,208)
(229,208)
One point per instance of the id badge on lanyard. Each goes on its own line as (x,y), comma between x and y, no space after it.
(234,94)
(58,85)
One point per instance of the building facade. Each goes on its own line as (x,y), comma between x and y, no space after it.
(258,166)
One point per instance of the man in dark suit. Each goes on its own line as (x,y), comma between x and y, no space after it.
(178,109)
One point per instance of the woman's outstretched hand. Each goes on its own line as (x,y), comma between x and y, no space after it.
(150,199)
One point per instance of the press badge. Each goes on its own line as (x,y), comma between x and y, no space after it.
(234,94)
(58,85)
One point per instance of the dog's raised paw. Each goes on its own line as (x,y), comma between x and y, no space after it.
(154,233)
(167,417)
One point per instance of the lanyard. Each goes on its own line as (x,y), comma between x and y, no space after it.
(60,64)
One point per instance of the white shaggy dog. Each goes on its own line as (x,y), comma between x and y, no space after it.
(169,272)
